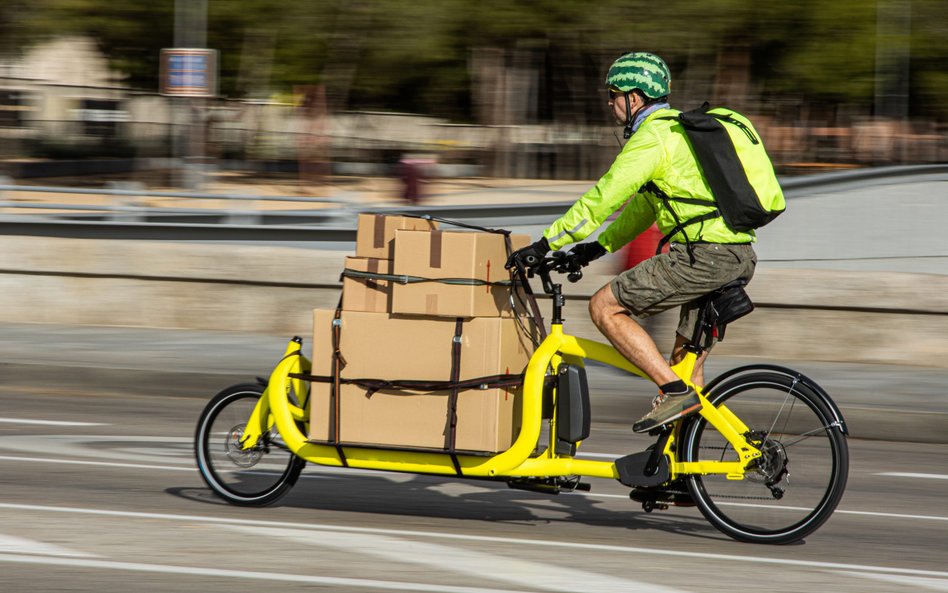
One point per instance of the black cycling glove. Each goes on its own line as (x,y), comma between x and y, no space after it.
(583,253)
(530,255)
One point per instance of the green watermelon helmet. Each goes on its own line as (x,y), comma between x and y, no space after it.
(640,70)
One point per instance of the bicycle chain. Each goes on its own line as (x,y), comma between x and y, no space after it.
(734,496)
(729,496)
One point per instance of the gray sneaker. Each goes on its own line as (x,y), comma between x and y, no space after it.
(668,408)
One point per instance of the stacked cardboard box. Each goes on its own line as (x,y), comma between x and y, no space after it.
(393,331)
(453,255)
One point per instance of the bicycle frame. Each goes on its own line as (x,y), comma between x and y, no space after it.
(275,407)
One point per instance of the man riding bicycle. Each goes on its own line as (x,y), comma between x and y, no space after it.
(656,162)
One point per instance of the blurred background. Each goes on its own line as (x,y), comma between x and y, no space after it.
(309,94)
(228,145)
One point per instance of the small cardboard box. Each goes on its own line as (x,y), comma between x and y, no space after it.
(367,294)
(385,346)
(455,255)
(375,233)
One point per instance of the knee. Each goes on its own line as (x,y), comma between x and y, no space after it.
(602,306)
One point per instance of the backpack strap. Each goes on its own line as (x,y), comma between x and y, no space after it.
(679,225)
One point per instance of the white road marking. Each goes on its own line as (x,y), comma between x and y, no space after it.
(246,574)
(49,422)
(401,477)
(465,561)
(19,545)
(598,456)
(912,475)
(98,463)
(483,538)
(789,508)
(132,448)
(909,582)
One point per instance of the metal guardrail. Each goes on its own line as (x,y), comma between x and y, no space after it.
(333,224)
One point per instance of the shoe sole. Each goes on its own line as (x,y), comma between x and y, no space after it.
(683,413)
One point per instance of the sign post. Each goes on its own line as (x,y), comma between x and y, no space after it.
(191,74)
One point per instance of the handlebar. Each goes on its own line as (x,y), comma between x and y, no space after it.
(557,261)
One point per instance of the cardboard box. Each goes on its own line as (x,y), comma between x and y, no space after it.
(375,233)
(452,254)
(385,346)
(367,294)
(488,420)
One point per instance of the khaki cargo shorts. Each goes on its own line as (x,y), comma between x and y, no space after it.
(670,279)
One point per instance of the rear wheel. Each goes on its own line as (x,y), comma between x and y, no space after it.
(797,483)
(251,477)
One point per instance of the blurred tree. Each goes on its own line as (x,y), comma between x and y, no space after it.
(129,33)
(420,56)
(929,77)
(17,25)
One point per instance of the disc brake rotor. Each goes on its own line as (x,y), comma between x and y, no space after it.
(771,467)
(240,457)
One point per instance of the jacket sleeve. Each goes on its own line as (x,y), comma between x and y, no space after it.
(637,216)
(635,165)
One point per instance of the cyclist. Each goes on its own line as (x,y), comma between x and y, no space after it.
(656,160)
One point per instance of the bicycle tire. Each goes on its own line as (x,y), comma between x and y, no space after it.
(796,430)
(257,477)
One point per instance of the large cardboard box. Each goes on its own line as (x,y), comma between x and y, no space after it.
(488,419)
(375,233)
(455,255)
(385,346)
(367,294)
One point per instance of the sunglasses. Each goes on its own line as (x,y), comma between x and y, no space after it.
(615,93)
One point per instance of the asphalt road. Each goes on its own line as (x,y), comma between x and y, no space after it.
(99,493)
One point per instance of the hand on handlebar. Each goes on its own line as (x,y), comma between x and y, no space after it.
(530,256)
(583,253)
(577,258)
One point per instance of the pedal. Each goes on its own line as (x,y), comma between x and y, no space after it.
(650,505)
(661,498)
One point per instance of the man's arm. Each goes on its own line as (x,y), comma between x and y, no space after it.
(634,166)
(635,218)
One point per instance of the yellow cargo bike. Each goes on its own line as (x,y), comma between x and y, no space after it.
(765,461)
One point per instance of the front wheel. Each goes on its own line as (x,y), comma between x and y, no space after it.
(244,477)
(795,486)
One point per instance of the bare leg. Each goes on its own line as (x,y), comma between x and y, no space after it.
(628,337)
(697,376)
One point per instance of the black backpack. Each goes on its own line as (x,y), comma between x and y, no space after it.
(722,140)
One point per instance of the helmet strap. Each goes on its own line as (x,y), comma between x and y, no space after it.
(627,133)
(629,116)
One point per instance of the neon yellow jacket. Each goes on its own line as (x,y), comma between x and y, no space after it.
(657,152)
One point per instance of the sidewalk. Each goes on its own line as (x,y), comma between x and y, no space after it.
(886,402)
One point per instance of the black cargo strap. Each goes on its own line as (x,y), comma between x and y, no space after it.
(502,381)
(452,429)
(405,279)
(335,397)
